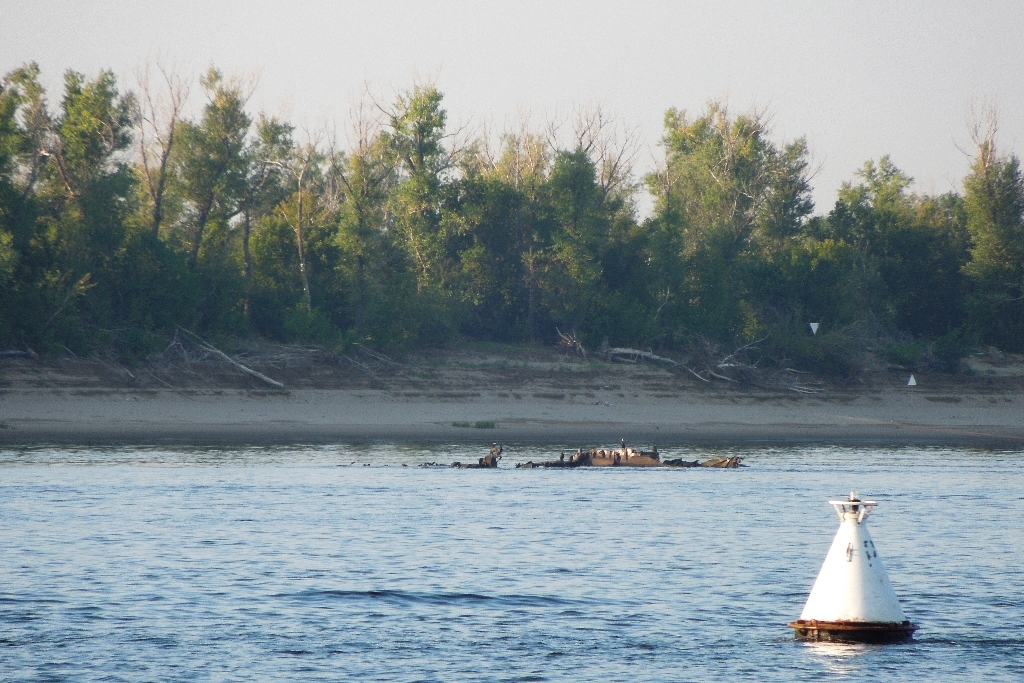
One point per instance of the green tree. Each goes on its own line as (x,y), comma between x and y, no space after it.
(209,170)
(266,185)
(415,136)
(365,176)
(418,207)
(508,205)
(304,168)
(86,188)
(12,142)
(727,198)
(910,250)
(208,162)
(994,203)
(572,282)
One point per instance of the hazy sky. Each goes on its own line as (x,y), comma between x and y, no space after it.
(858,79)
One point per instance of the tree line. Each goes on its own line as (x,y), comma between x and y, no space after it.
(121,218)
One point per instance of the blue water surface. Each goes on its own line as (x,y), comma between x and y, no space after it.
(305,564)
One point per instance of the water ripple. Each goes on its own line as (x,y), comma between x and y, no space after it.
(287,564)
(398,597)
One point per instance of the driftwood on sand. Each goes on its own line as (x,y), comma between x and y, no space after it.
(626,355)
(213,350)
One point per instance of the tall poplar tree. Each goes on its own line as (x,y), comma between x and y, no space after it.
(208,161)
(994,201)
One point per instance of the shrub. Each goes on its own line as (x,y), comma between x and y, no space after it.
(949,350)
(835,353)
(310,326)
(906,354)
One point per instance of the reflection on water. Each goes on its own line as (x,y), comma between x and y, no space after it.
(336,563)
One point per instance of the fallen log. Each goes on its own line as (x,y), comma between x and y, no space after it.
(679,462)
(702,379)
(376,355)
(210,348)
(727,379)
(724,463)
(635,354)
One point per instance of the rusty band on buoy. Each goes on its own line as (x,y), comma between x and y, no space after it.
(853,631)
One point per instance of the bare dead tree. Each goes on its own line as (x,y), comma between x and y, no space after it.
(525,157)
(363,136)
(156,116)
(482,152)
(611,146)
(571,343)
(983,124)
(306,162)
(615,152)
(303,166)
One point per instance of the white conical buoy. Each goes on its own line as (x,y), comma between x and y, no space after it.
(911,382)
(814,328)
(852,598)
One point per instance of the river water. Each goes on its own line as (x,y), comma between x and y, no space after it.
(338,564)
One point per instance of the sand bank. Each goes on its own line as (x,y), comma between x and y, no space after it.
(112,416)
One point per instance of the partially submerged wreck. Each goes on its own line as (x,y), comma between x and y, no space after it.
(624,456)
(629,457)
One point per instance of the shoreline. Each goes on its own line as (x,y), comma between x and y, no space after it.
(31,417)
(574,434)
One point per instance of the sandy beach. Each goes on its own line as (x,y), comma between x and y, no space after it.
(527,401)
(319,416)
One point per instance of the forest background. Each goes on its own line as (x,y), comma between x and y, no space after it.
(122,219)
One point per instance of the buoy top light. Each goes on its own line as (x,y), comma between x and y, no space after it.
(853,508)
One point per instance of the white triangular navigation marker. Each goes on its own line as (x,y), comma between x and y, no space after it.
(911,382)
(852,599)
(814,328)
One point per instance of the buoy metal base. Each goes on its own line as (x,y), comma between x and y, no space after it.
(853,631)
